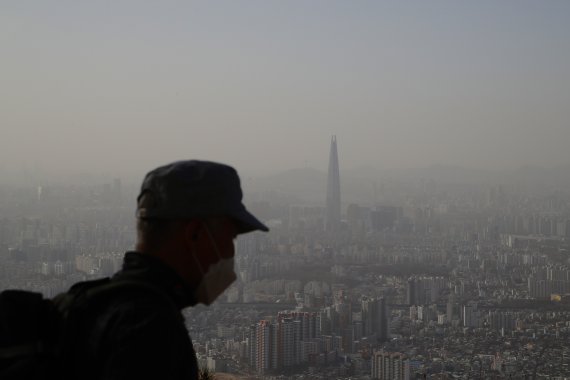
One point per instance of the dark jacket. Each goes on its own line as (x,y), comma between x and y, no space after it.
(137,332)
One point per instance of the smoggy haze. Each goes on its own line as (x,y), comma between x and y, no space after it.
(120,87)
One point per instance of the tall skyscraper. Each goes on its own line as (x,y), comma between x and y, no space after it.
(333,190)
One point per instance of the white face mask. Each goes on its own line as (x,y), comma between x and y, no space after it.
(218,277)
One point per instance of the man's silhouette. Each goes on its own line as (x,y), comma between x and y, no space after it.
(188,214)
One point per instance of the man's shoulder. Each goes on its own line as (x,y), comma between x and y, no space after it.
(127,321)
(125,313)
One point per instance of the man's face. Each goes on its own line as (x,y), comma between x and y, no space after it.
(198,244)
(217,269)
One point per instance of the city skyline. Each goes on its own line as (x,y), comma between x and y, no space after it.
(431,280)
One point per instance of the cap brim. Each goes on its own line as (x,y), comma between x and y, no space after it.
(247,222)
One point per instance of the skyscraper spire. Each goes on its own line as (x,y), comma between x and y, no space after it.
(333,190)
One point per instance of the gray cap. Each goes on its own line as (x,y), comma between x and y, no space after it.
(195,189)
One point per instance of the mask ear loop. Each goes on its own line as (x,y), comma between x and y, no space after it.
(214,245)
(198,261)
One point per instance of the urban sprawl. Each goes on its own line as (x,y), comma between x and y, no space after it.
(436,281)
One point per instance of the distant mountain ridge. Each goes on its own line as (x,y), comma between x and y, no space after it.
(362,182)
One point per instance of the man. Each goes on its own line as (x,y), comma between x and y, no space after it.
(188,214)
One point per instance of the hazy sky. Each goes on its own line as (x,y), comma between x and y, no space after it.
(122,86)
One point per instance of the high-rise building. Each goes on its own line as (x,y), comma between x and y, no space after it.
(267,343)
(375,318)
(450,308)
(384,320)
(333,190)
(294,337)
(390,366)
(288,342)
(369,311)
(502,321)
(252,340)
(471,315)
(411,292)
(424,290)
